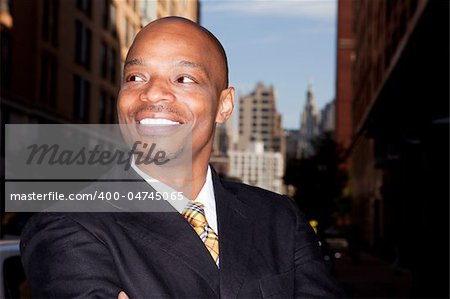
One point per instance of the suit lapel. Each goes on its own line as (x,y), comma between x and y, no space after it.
(235,220)
(171,233)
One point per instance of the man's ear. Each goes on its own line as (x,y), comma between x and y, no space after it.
(226,104)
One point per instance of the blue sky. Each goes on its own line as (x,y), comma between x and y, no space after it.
(284,43)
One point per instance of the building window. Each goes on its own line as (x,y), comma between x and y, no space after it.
(5,58)
(103,60)
(85,6)
(82,45)
(133,33)
(127,32)
(50,21)
(105,13)
(81,98)
(112,17)
(106,108)
(112,66)
(48,79)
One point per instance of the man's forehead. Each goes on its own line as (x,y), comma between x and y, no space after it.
(137,61)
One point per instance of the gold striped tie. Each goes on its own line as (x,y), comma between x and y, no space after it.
(195,215)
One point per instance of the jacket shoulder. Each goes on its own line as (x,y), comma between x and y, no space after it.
(265,201)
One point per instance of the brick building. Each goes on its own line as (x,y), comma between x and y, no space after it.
(400,145)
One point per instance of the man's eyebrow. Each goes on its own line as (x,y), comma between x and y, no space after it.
(134,61)
(190,64)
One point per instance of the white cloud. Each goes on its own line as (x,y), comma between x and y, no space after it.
(317,9)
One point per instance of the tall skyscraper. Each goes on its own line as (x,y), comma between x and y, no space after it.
(309,125)
(259,120)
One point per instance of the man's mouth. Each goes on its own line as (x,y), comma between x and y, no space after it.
(157,121)
(157,125)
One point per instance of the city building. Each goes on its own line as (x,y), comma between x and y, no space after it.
(61,60)
(344,85)
(328,118)
(259,119)
(309,125)
(222,143)
(291,138)
(400,145)
(257,167)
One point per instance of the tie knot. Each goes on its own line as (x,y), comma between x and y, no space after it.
(195,214)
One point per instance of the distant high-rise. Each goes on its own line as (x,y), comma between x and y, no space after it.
(257,167)
(328,118)
(309,125)
(259,120)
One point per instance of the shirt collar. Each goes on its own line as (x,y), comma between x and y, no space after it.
(205,196)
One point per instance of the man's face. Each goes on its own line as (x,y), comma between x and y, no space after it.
(173,78)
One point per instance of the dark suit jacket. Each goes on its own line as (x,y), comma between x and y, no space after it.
(267,250)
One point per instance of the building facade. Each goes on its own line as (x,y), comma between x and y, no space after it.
(156,9)
(399,151)
(259,120)
(257,167)
(62,59)
(345,57)
(328,118)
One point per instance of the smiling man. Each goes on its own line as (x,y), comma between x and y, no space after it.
(231,240)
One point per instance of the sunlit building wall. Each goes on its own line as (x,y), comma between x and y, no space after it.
(257,167)
(259,119)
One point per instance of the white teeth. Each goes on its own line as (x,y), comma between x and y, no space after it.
(157,121)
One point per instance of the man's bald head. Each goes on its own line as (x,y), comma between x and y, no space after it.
(184,24)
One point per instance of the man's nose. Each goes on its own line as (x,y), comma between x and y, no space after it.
(157,89)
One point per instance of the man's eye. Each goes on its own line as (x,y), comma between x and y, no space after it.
(185,79)
(135,78)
